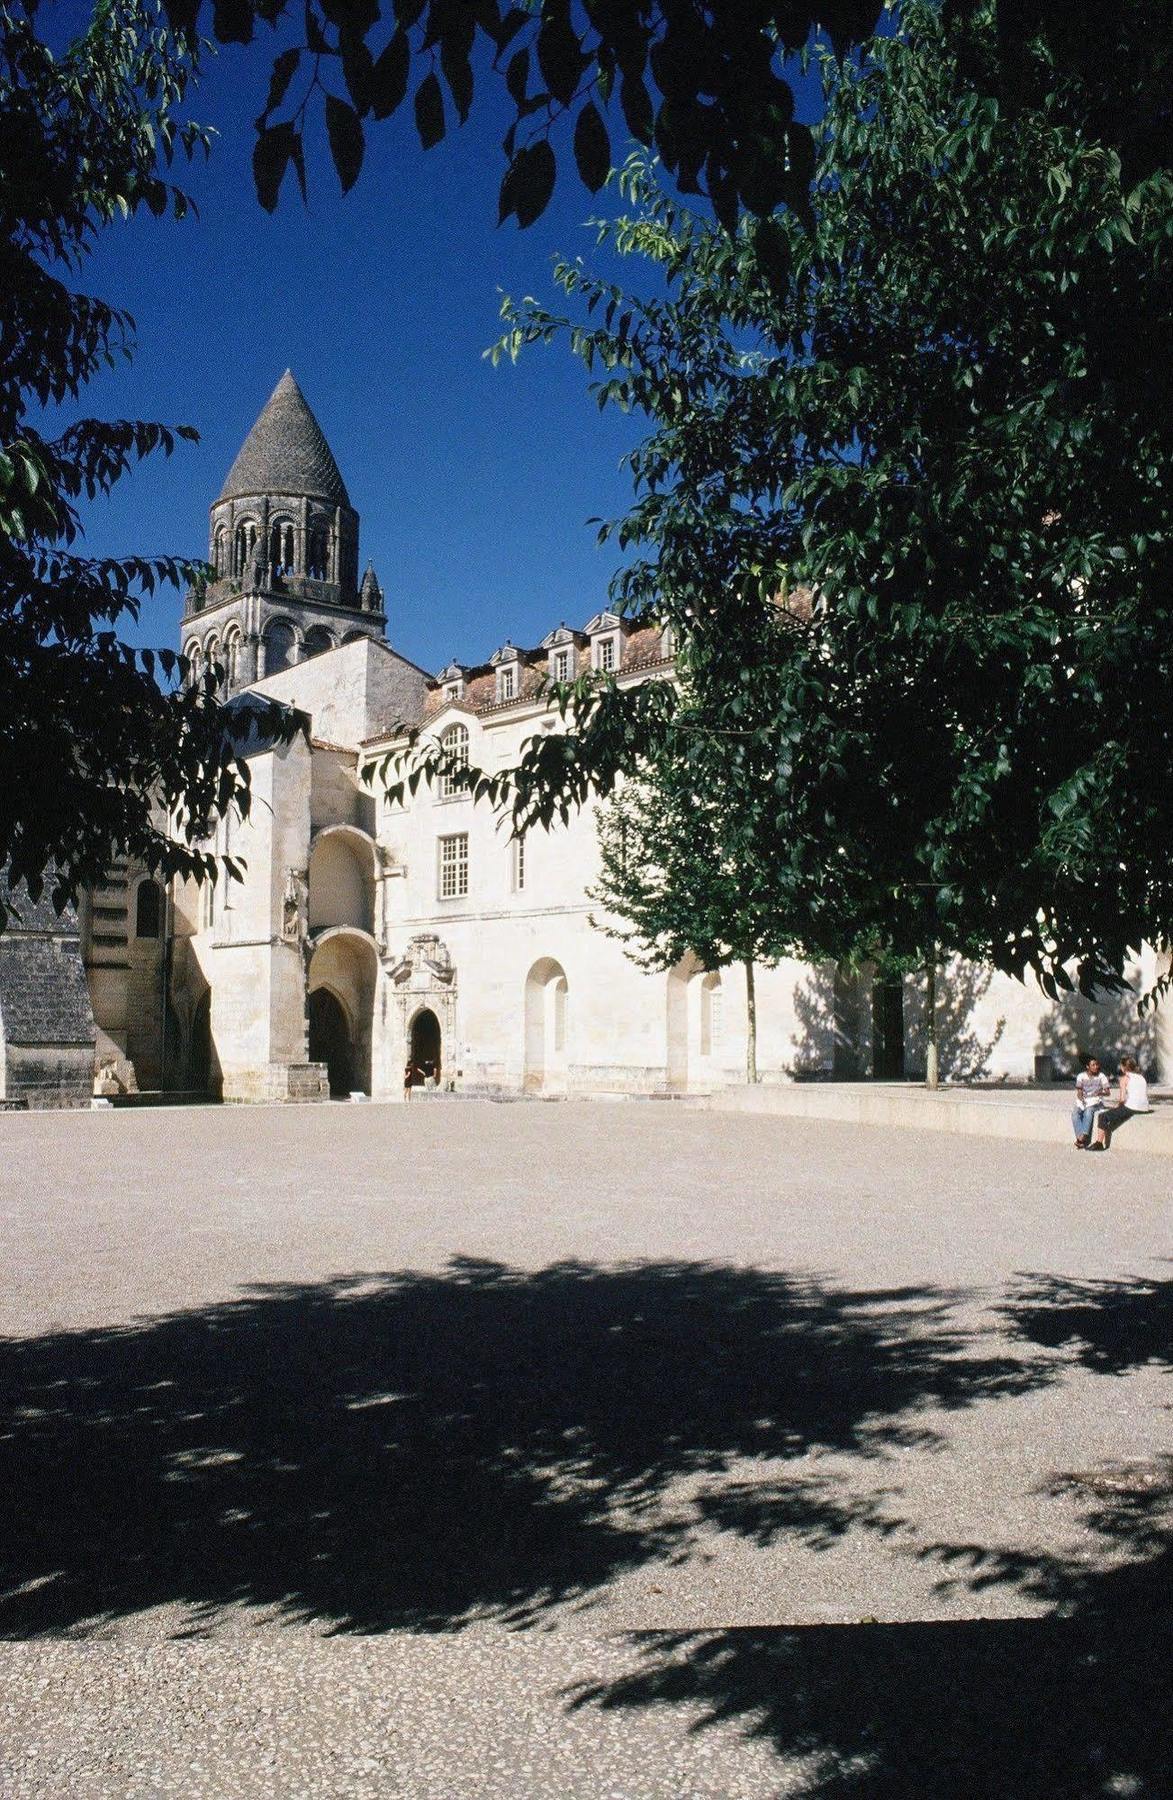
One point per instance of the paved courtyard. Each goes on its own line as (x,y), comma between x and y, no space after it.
(579,1450)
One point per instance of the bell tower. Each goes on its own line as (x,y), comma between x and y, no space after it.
(283,545)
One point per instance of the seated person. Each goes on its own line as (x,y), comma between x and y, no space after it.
(1134,1098)
(1092,1089)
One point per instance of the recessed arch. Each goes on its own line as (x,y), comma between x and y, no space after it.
(425,1047)
(317,640)
(318,551)
(331,1038)
(280,641)
(148,908)
(244,542)
(547,1027)
(282,546)
(342,880)
(233,642)
(346,963)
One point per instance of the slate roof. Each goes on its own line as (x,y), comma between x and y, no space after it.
(40,916)
(44,998)
(286,453)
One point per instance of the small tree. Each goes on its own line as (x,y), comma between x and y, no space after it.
(691,860)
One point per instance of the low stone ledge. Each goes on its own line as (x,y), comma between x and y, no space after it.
(1030,1115)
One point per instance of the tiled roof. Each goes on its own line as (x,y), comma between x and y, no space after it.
(641,650)
(286,453)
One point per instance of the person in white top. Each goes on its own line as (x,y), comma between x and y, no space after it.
(1134,1098)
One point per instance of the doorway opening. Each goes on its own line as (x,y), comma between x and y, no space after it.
(888,1029)
(330,1040)
(425,1047)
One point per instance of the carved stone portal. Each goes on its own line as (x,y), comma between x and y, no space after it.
(425,976)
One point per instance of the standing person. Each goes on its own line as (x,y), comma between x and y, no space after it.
(1092,1091)
(408,1078)
(1134,1098)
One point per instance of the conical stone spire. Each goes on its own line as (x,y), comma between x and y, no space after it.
(370,594)
(286,453)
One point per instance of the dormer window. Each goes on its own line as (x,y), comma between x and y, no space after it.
(451,681)
(506,662)
(561,665)
(605,635)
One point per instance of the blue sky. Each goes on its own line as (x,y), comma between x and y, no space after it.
(473,484)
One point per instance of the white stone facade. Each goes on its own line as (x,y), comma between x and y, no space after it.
(365,935)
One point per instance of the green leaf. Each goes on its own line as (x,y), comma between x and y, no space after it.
(345,133)
(560,56)
(389,76)
(284,69)
(272,152)
(592,147)
(429,111)
(528,184)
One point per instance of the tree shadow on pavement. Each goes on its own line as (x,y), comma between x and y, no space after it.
(1072,1704)
(421,1450)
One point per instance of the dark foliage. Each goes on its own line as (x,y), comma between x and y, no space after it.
(705,87)
(943,407)
(104,751)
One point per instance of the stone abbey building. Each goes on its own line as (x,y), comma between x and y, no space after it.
(366,934)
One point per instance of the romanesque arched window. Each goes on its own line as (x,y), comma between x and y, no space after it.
(281,546)
(245,544)
(318,559)
(148,909)
(220,551)
(280,647)
(317,639)
(454,744)
(195,659)
(232,658)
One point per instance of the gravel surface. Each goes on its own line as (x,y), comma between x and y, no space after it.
(578,1450)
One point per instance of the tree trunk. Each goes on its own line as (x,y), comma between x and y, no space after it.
(751,1025)
(931,1073)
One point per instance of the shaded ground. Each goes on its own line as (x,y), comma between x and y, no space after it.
(832,1449)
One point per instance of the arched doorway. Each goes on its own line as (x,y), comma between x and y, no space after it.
(426,1046)
(344,966)
(330,1039)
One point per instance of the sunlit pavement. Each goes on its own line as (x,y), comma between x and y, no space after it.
(578,1450)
